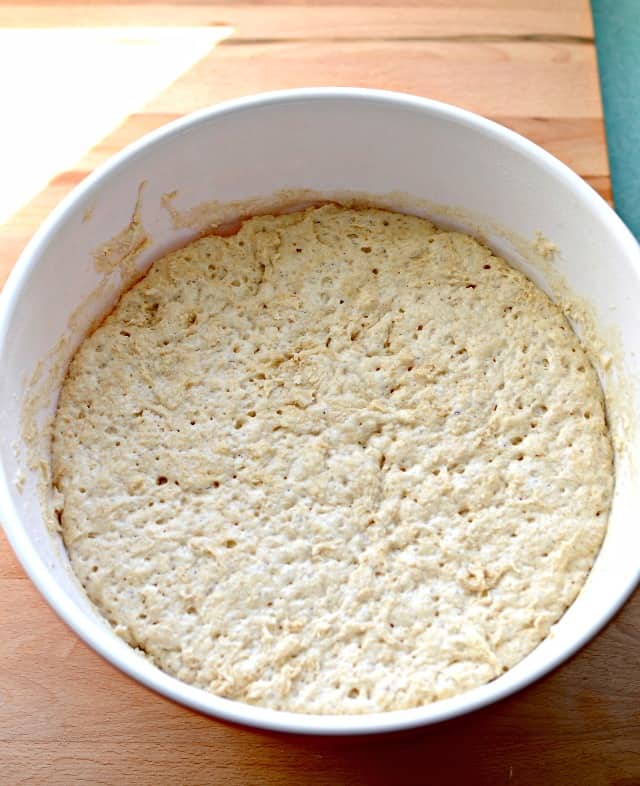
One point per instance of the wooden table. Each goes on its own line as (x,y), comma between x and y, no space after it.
(81,81)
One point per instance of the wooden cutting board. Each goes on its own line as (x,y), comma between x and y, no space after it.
(79,82)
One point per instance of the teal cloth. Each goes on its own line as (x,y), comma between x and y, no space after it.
(617,27)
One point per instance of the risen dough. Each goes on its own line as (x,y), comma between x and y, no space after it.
(339,462)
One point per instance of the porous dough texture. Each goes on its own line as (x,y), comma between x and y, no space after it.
(340,462)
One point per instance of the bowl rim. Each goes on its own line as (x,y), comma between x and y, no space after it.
(97,636)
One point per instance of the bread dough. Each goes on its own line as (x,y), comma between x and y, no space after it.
(340,462)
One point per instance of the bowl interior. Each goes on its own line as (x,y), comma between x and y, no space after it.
(416,156)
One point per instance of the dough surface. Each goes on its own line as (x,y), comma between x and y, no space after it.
(340,462)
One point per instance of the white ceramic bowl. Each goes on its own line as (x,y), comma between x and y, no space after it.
(328,140)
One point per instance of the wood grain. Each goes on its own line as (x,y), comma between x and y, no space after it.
(68,717)
(497,78)
(321,21)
